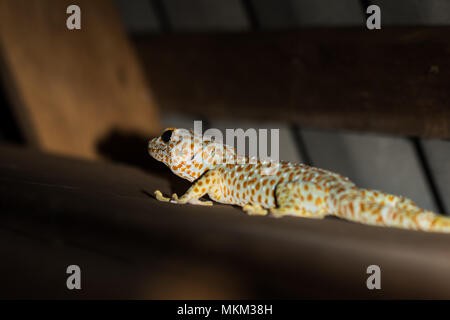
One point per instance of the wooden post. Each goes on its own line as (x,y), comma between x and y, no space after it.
(71,88)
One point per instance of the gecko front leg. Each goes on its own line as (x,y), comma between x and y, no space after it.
(200,187)
(159,196)
(191,196)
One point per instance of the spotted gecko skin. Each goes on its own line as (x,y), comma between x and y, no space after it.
(282,188)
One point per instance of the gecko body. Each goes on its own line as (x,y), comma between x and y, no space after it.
(284,188)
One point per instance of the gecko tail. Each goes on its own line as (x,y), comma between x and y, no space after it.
(399,213)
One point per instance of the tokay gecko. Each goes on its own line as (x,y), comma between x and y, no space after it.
(279,188)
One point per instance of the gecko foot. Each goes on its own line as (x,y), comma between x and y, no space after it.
(159,196)
(287,211)
(254,209)
(195,201)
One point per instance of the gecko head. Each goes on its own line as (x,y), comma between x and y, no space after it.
(186,153)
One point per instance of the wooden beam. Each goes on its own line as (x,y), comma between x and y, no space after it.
(71,88)
(393,80)
(100,216)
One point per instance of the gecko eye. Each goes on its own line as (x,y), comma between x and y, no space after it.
(166,136)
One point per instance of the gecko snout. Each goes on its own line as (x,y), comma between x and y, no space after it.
(153,148)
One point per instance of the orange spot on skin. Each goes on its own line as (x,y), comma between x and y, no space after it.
(238,186)
(318,201)
(241,177)
(391,198)
(239,169)
(247,169)
(207,181)
(203,190)
(259,198)
(272,182)
(309,198)
(264,182)
(200,183)
(291,176)
(306,187)
(267,192)
(196,189)
(253,191)
(245,184)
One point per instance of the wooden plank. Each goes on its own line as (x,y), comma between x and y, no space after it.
(72,87)
(414,13)
(202,15)
(392,80)
(295,13)
(138,16)
(102,214)
(39,254)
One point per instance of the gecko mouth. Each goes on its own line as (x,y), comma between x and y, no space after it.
(155,150)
